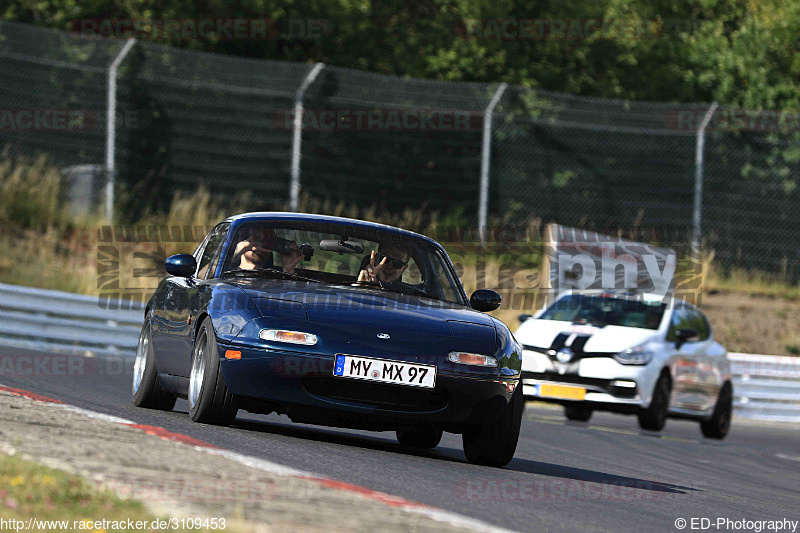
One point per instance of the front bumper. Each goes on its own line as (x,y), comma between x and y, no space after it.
(599,376)
(603,391)
(302,385)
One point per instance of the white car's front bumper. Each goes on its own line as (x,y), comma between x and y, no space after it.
(605,379)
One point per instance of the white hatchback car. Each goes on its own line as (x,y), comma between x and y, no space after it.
(636,354)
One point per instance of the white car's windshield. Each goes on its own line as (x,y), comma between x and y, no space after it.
(606,310)
(331,253)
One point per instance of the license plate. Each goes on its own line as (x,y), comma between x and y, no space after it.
(385,371)
(560,392)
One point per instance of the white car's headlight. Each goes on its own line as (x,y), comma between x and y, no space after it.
(638,355)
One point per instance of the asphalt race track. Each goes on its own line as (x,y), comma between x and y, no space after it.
(566,476)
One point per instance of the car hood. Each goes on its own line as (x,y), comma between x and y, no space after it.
(542,333)
(365,312)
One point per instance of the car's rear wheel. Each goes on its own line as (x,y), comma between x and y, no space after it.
(419,437)
(577,412)
(210,401)
(719,424)
(494,444)
(654,418)
(147,392)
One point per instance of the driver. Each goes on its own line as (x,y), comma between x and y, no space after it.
(256,247)
(591,315)
(387,264)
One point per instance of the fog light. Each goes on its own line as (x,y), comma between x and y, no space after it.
(293,337)
(623,383)
(474,359)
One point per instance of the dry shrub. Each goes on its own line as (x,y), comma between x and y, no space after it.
(30,191)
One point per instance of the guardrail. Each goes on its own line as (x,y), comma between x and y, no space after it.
(766,387)
(55,320)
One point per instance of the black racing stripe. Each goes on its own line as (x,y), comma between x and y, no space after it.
(559,341)
(579,343)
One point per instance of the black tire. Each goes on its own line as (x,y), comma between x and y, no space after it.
(146,389)
(654,418)
(210,401)
(494,444)
(420,437)
(719,424)
(578,413)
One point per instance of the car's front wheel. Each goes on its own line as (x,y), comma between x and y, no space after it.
(147,392)
(719,424)
(210,401)
(422,437)
(654,418)
(579,413)
(494,444)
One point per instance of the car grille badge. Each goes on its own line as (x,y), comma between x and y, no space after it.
(383,335)
(564,355)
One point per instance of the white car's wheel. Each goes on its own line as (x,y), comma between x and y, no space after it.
(578,413)
(654,418)
(719,424)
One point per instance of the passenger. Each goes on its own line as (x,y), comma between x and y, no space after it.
(387,264)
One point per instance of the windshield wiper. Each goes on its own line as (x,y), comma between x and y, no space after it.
(270,271)
(393,287)
(407,289)
(365,283)
(596,323)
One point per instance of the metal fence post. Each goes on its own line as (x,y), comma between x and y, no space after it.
(294,187)
(111,124)
(486,148)
(699,158)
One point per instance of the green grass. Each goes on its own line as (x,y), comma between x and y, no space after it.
(29,490)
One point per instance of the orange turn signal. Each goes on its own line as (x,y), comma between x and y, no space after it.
(474,359)
(294,337)
(233,354)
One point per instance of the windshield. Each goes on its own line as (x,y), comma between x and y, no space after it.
(606,311)
(344,255)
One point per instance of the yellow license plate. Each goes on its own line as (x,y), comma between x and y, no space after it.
(562,392)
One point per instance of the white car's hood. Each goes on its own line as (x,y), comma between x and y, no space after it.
(542,333)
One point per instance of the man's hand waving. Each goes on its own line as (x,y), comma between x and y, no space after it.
(383,271)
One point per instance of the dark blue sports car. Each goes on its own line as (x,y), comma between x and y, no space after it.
(335,322)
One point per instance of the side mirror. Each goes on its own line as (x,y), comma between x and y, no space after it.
(485,300)
(182,265)
(684,335)
(522,318)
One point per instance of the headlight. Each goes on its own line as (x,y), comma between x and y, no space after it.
(472,359)
(638,355)
(292,337)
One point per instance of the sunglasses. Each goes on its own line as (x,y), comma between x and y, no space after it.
(396,263)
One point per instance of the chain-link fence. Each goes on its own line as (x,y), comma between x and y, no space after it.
(186,118)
